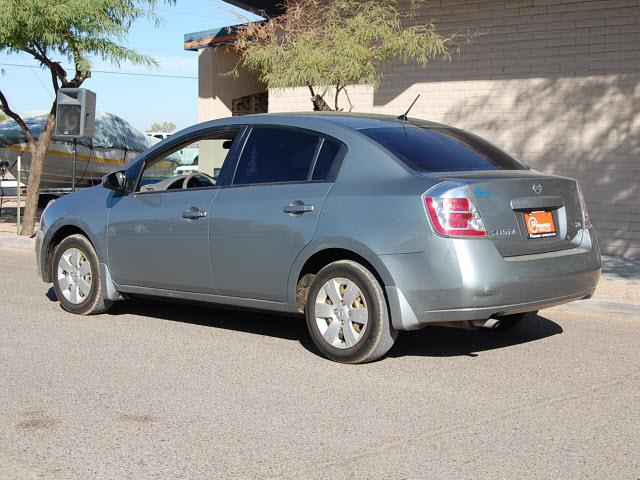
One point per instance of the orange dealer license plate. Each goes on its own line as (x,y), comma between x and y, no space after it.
(540,224)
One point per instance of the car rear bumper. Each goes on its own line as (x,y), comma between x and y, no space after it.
(457,280)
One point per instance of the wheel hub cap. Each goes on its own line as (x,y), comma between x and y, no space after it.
(341,313)
(74,275)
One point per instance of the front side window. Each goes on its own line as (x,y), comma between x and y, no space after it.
(273,155)
(195,164)
(441,149)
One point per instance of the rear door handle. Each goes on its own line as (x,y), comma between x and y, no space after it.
(194,213)
(297,208)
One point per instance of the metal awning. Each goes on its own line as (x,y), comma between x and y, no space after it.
(270,8)
(226,35)
(210,38)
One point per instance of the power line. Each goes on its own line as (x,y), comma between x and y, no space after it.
(110,72)
(145,74)
(191,14)
(39,80)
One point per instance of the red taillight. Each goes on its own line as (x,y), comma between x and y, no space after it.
(456,204)
(586,220)
(455,217)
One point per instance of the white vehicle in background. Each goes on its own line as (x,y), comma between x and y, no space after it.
(186,158)
(159,135)
(186,169)
(9,188)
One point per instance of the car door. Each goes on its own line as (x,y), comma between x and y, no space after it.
(158,235)
(266,217)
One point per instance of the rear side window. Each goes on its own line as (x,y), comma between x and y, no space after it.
(276,155)
(329,160)
(441,149)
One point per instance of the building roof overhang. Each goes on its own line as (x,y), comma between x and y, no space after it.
(210,38)
(259,7)
(226,35)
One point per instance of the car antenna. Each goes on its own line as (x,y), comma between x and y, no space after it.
(403,117)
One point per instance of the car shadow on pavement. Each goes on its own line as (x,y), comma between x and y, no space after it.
(288,327)
(452,342)
(51,295)
(428,342)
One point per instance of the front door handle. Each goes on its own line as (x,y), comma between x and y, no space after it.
(298,208)
(194,213)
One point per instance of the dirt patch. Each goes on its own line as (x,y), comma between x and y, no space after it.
(37,424)
(138,418)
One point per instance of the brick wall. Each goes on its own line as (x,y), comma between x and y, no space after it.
(554,82)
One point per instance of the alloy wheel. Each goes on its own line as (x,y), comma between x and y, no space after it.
(74,275)
(341,313)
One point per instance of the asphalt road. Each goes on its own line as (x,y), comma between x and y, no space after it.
(157,390)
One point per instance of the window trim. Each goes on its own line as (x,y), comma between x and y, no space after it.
(321,138)
(316,154)
(187,140)
(341,154)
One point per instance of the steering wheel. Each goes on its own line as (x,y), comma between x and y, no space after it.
(188,178)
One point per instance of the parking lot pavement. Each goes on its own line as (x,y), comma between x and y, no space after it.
(159,390)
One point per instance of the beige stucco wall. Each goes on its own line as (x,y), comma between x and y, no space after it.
(554,82)
(215,89)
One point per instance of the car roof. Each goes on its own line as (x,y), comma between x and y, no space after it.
(355,121)
(312,120)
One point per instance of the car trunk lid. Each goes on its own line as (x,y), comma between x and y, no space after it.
(525,212)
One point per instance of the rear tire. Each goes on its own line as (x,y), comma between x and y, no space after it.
(347,314)
(76,277)
(507,322)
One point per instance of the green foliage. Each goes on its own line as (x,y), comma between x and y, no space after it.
(162,127)
(336,43)
(72,30)
(52,31)
(3,117)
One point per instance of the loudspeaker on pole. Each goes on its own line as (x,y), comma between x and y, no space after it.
(75,113)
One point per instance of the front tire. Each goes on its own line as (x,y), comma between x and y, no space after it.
(76,277)
(347,314)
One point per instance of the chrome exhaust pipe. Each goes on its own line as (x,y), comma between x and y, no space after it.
(470,324)
(491,323)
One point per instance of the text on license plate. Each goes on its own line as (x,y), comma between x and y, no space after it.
(540,224)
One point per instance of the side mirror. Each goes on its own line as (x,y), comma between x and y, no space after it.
(116,181)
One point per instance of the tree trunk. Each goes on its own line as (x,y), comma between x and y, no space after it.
(38,155)
(318,102)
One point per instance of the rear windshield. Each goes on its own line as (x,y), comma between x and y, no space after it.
(441,149)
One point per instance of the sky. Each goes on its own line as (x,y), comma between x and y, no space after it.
(141,100)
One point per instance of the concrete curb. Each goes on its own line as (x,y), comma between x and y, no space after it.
(17,242)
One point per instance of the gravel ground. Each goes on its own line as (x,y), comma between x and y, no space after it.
(159,390)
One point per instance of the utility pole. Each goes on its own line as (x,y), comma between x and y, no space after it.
(73,167)
(18,191)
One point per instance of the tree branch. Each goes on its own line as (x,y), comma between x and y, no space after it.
(54,67)
(54,81)
(319,105)
(4,105)
(348,99)
(338,88)
(79,77)
(313,94)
